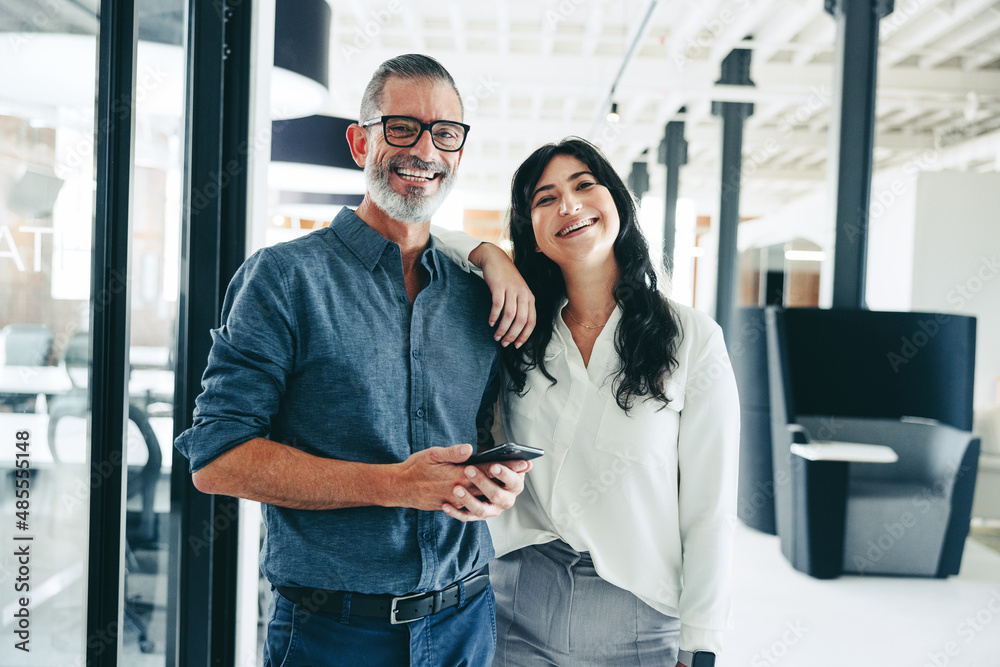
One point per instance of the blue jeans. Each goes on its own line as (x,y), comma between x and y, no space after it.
(460,636)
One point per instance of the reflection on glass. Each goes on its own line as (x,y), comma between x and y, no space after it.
(784,274)
(46,221)
(156,222)
(48,84)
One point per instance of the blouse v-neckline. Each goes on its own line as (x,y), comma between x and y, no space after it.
(565,332)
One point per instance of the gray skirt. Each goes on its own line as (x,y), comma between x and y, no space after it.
(554,609)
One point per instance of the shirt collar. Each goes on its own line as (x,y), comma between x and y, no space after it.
(369,246)
(431,260)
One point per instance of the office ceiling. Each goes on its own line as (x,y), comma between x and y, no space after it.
(533,71)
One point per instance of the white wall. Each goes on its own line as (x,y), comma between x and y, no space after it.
(956,260)
(891,222)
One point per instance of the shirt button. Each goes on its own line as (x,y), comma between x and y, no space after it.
(416,354)
(427,536)
(420,412)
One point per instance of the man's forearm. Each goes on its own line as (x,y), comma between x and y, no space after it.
(276,474)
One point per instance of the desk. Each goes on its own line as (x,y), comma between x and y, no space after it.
(159,384)
(33,380)
(855,452)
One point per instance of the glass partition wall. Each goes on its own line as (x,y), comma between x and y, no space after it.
(95,169)
(47,209)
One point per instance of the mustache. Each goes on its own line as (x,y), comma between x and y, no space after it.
(413,162)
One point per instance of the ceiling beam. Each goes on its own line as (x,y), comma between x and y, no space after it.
(538,131)
(503,27)
(961,39)
(774,34)
(931,27)
(457,26)
(775,82)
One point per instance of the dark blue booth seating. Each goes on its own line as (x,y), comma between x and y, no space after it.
(902,381)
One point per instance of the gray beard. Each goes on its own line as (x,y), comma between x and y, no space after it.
(414,206)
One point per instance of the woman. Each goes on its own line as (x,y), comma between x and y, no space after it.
(620,547)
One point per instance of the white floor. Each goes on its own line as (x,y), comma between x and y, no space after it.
(783,617)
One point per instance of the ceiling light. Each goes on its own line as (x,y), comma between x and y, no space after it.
(805,255)
(613,116)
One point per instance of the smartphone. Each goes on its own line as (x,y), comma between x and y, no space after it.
(509,451)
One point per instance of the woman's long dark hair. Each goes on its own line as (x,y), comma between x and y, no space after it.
(648,334)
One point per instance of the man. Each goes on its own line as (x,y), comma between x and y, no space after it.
(344,360)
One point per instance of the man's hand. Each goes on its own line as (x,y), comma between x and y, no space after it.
(427,479)
(513,302)
(493,497)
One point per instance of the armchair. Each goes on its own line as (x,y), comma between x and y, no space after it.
(873,456)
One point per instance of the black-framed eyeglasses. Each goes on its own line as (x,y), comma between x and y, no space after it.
(405,131)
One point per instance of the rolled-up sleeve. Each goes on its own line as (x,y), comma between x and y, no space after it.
(252,354)
(457,246)
(708,459)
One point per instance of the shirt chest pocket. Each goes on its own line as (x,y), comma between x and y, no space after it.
(535,385)
(647,435)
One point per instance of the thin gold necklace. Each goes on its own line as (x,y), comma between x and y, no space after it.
(585,326)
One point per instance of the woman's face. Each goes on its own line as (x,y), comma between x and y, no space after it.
(574,217)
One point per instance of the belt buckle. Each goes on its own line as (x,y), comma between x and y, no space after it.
(393,610)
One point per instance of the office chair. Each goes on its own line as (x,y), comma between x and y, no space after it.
(873,456)
(24,345)
(140,479)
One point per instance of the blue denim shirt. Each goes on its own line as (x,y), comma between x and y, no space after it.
(320,349)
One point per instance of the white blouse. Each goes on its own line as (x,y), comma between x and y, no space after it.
(652,494)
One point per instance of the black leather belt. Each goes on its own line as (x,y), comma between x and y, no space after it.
(395,609)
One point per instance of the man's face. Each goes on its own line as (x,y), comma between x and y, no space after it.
(410,184)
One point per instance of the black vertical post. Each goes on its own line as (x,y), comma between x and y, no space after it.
(638,179)
(109,325)
(204,529)
(735,72)
(673,154)
(852,138)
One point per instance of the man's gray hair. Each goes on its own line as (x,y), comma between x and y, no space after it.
(408,66)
